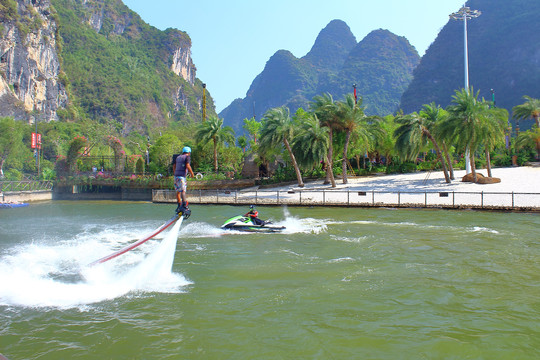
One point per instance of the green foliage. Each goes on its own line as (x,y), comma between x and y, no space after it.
(253,127)
(139,166)
(312,142)
(8,10)
(74,151)
(48,174)
(401,168)
(13,175)
(284,173)
(162,151)
(124,77)
(212,130)
(13,153)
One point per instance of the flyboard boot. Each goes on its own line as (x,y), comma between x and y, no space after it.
(183,210)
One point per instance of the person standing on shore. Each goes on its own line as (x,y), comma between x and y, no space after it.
(181,165)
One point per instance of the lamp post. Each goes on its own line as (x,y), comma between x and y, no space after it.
(465,13)
(204,102)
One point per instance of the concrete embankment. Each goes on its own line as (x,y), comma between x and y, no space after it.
(26,196)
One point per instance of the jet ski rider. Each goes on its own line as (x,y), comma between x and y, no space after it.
(253,215)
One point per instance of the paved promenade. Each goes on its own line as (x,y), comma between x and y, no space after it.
(519,189)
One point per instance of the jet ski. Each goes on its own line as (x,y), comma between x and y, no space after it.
(244,223)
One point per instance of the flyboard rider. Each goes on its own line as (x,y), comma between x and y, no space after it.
(181,165)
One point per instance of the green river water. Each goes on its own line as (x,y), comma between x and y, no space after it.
(340,283)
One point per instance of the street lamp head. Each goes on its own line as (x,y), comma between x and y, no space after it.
(465,13)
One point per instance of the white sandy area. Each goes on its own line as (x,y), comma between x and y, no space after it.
(524,179)
(519,188)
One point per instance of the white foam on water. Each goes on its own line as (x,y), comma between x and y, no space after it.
(482,229)
(43,275)
(201,229)
(295,225)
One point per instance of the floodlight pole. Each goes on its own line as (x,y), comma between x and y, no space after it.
(204,102)
(464,14)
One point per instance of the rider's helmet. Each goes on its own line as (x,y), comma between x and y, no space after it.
(252,207)
(186,149)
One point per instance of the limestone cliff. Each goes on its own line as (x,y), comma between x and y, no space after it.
(29,62)
(106,14)
(95,60)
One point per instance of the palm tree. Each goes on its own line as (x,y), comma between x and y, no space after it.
(326,110)
(311,143)
(242,142)
(529,109)
(412,135)
(351,115)
(382,131)
(530,138)
(253,127)
(435,115)
(466,114)
(492,131)
(212,130)
(278,128)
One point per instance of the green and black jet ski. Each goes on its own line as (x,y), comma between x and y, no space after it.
(244,223)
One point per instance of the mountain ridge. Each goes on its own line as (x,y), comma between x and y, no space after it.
(504,55)
(330,66)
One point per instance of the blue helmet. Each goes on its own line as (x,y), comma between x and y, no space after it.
(186,149)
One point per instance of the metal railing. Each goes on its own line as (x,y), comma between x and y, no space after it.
(26,185)
(426,199)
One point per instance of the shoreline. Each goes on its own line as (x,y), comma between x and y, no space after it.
(524,179)
(518,191)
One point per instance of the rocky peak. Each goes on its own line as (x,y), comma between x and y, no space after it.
(179,45)
(332,45)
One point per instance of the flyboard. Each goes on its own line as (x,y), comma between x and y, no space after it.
(144,239)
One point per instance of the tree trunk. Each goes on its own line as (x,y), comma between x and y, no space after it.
(295,165)
(537,119)
(329,165)
(215,156)
(449,161)
(488,163)
(473,166)
(331,174)
(439,155)
(344,161)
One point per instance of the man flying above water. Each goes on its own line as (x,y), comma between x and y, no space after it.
(181,164)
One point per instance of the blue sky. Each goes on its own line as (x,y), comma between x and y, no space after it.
(232,40)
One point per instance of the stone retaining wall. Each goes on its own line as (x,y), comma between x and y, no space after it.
(26,196)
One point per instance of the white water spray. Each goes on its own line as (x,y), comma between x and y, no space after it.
(57,276)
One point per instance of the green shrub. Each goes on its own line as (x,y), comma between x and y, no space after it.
(48,174)
(139,166)
(13,175)
(503,159)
